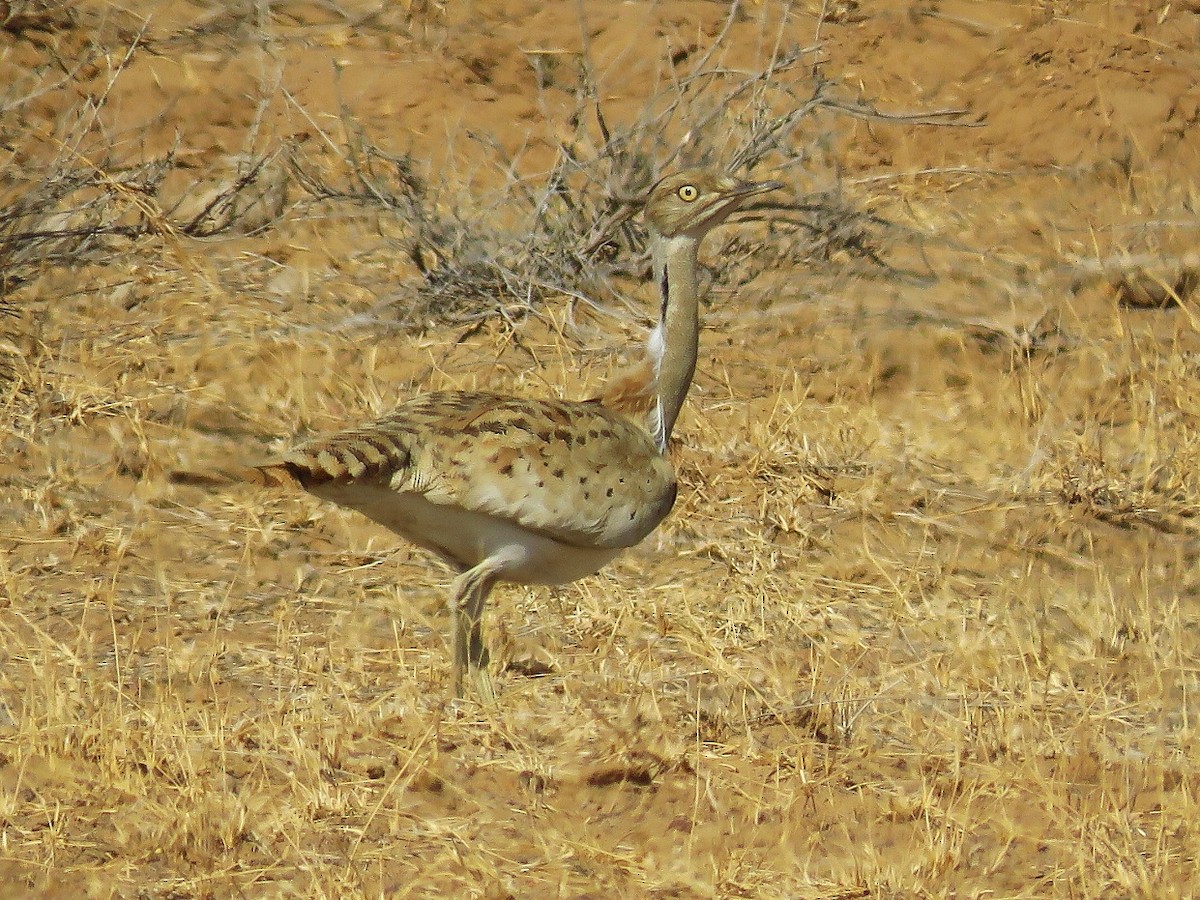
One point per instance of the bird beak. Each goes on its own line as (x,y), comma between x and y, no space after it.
(735,197)
(750,188)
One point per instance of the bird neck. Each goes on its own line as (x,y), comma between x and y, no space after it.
(674,344)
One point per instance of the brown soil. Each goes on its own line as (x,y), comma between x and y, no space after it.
(926,618)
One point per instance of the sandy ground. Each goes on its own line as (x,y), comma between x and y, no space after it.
(926,618)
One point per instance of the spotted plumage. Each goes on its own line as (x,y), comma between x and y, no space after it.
(576,473)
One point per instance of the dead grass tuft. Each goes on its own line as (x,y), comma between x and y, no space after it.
(924,621)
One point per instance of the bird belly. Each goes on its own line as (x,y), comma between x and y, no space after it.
(465,538)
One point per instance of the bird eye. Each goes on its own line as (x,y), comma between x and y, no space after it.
(688,193)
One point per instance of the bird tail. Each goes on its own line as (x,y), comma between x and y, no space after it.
(273,475)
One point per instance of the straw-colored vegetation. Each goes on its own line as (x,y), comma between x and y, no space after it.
(926,619)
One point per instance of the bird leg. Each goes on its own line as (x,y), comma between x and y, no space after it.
(469,592)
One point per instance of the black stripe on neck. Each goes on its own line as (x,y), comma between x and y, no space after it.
(664,288)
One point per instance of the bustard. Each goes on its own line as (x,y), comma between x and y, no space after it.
(533,491)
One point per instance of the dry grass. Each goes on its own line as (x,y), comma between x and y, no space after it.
(925,622)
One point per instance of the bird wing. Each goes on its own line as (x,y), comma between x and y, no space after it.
(576,472)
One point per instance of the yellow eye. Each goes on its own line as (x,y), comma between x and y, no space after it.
(688,193)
